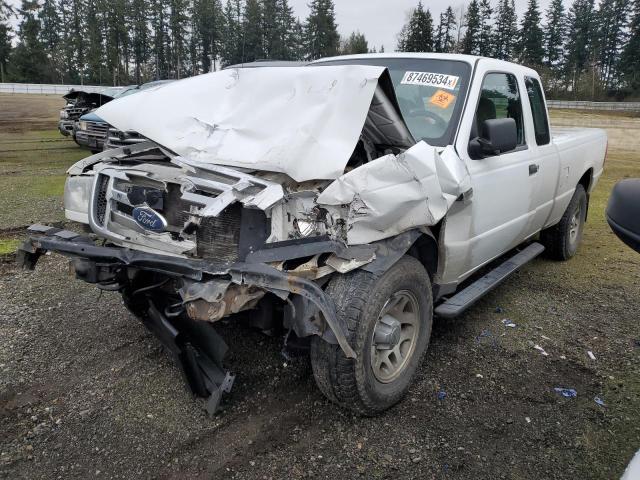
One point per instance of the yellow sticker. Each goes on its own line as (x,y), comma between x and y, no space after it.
(442,99)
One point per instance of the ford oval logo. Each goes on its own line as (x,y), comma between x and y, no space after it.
(149,219)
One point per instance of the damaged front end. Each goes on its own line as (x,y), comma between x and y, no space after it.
(212,218)
(78,103)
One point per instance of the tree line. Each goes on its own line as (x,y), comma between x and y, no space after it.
(116,42)
(587,51)
(590,50)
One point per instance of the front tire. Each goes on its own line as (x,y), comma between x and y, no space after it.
(389,319)
(562,240)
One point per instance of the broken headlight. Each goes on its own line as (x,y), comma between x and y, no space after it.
(82,125)
(77,191)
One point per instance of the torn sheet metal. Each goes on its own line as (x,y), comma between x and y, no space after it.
(393,194)
(301,121)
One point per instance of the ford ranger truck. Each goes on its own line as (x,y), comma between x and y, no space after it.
(343,204)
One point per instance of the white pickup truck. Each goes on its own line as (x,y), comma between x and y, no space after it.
(343,204)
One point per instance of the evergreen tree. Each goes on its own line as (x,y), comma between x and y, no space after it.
(506,30)
(356,43)
(417,34)
(28,59)
(72,51)
(273,37)
(298,41)
(611,20)
(445,38)
(531,37)
(178,23)
(253,48)
(578,46)
(160,40)
(321,31)
(50,38)
(231,50)
(471,39)
(140,37)
(630,59)
(95,47)
(206,34)
(5,39)
(485,45)
(554,34)
(286,46)
(117,40)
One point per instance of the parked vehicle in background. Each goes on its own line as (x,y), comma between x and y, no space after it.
(116,138)
(80,102)
(91,131)
(623,211)
(344,203)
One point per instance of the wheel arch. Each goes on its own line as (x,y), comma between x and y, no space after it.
(586,181)
(425,250)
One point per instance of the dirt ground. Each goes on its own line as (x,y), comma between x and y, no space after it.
(87,392)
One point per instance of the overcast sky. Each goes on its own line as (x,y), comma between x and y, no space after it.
(381,20)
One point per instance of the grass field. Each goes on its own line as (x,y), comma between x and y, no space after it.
(33,160)
(590,303)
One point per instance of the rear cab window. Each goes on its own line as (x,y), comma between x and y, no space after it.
(538,110)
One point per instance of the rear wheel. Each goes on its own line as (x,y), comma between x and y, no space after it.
(389,320)
(562,240)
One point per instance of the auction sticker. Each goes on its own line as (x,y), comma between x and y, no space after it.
(430,80)
(442,99)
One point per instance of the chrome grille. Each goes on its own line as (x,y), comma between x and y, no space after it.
(98,129)
(203,215)
(74,113)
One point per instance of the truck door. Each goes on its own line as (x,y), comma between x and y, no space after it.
(545,166)
(499,213)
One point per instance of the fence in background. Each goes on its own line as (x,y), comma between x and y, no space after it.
(578,105)
(38,88)
(41,88)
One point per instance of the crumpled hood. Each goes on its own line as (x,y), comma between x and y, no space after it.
(301,121)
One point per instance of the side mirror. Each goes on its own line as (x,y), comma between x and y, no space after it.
(498,135)
(623,212)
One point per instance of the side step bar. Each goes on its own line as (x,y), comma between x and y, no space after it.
(474,292)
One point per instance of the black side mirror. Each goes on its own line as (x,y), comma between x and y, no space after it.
(623,212)
(498,135)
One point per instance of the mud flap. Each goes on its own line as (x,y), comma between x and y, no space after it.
(198,350)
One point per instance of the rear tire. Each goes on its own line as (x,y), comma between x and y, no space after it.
(562,240)
(389,319)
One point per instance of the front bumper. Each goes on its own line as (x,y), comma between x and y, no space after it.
(100,262)
(197,348)
(90,140)
(65,127)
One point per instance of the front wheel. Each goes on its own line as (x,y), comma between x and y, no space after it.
(562,240)
(389,321)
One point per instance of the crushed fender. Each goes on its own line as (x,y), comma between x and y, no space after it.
(396,193)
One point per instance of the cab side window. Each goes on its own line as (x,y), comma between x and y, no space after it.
(499,98)
(538,111)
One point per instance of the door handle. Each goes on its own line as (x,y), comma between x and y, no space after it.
(533,169)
